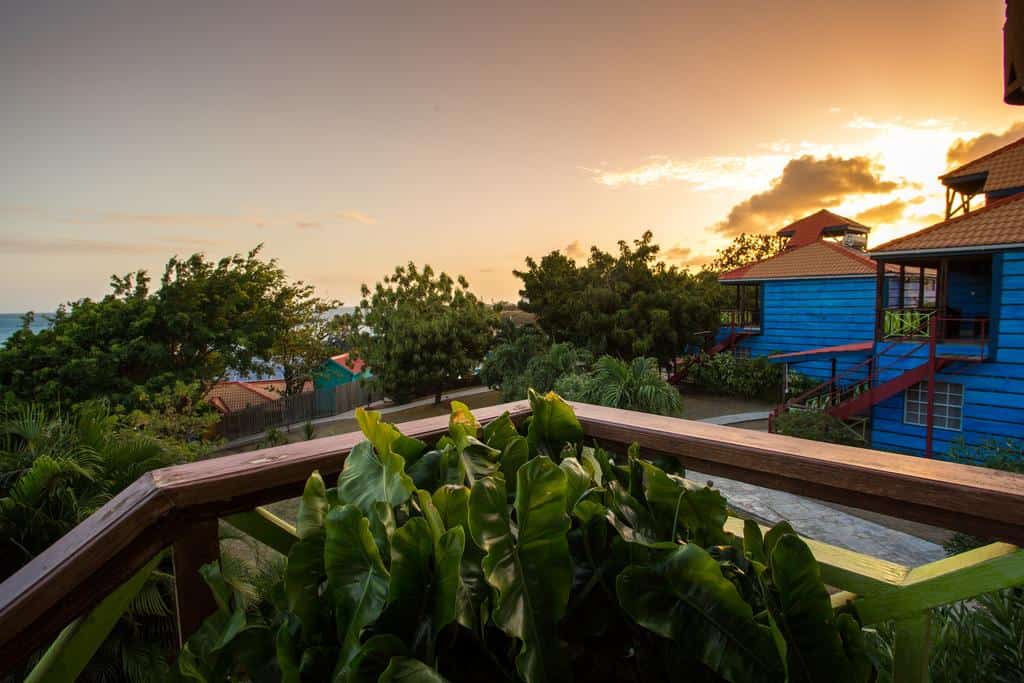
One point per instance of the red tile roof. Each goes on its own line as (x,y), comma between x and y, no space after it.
(997,223)
(1003,168)
(811,228)
(818,259)
(354,366)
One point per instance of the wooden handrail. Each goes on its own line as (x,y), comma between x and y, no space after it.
(113,544)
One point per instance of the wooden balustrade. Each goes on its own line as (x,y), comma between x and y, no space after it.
(75,590)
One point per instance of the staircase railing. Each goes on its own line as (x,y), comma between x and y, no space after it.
(69,597)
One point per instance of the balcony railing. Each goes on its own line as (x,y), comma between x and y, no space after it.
(907,323)
(72,594)
(742,318)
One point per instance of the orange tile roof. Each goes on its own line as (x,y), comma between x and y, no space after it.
(818,259)
(1004,168)
(811,228)
(997,223)
(353,366)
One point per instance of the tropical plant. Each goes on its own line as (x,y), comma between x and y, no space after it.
(504,366)
(637,385)
(816,425)
(420,332)
(512,553)
(309,430)
(55,470)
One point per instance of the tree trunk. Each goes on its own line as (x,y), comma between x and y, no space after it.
(437,396)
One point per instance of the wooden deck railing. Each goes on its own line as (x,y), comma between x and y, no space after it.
(75,590)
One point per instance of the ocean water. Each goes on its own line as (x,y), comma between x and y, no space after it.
(11,323)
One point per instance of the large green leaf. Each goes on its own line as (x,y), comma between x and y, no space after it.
(304,572)
(499,432)
(553,425)
(386,437)
(424,582)
(531,571)
(816,648)
(371,476)
(632,520)
(513,456)
(408,670)
(578,481)
(309,520)
(685,598)
(698,513)
(357,581)
(452,503)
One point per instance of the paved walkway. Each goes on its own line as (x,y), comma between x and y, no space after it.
(817,520)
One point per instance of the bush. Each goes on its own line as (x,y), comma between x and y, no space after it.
(816,426)
(724,373)
(507,554)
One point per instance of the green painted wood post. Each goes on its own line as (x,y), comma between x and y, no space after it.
(912,652)
(69,654)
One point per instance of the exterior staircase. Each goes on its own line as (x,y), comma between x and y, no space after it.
(734,337)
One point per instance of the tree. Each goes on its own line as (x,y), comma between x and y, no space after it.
(419,332)
(313,336)
(625,305)
(504,367)
(206,318)
(746,249)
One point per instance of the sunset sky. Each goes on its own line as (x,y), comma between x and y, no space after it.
(350,138)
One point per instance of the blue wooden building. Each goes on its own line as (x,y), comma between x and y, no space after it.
(812,306)
(947,363)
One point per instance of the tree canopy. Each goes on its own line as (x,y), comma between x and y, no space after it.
(420,332)
(746,249)
(626,305)
(205,319)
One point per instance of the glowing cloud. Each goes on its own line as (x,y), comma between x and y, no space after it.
(964,150)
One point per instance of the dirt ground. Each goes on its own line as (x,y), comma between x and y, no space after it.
(699,406)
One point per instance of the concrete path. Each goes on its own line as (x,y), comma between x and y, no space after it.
(382,407)
(817,520)
(738,418)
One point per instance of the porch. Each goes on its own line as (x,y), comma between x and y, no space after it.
(71,594)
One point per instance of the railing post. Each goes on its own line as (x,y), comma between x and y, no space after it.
(199,546)
(912,651)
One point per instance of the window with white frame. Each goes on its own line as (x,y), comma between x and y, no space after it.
(949,405)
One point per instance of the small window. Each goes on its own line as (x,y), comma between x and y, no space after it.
(949,405)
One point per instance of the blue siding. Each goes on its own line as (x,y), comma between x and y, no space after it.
(799,315)
(993,390)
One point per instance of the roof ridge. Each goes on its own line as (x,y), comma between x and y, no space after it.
(887,246)
(737,273)
(866,260)
(953,173)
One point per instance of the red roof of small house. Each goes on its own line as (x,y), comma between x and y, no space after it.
(1002,169)
(354,366)
(810,229)
(998,223)
(818,259)
(235,395)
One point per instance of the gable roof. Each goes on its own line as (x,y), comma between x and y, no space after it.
(816,260)
(997,223)
(1002,169)
(354,366)
(819,224)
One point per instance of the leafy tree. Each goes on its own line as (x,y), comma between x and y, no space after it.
(504,367)
(746,249)
(313,336)
(637,385)
(206,319)
(420,332)
(625,305)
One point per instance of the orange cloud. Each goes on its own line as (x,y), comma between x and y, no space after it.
(964,150)
(574,250)
(888,212)
(807,183)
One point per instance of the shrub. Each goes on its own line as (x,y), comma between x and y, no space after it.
(637,385)
(505,553)
(724,373)
(816,426)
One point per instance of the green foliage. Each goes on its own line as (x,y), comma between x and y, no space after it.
(308,431)
(56,470)
(527,359)
(313,335)
(727,374)
(816,426)
(746,249)
(274,437)
(625,305)
(420,332)
(637,385)
(502,555)
(205,319)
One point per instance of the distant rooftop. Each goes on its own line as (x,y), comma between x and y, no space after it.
(998,223)
(819,225)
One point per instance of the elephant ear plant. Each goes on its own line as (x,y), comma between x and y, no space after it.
(517,553)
